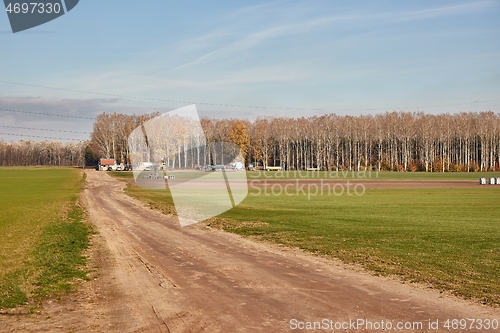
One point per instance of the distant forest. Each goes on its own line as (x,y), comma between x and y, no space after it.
(394,141)
(26,153)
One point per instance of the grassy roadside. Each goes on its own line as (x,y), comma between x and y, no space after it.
(44,233)
(160,200)
(446,238)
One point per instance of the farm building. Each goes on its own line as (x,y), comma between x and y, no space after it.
(107,164)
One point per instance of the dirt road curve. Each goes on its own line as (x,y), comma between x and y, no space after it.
(158,277)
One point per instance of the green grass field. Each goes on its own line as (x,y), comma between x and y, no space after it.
(382,175)
(447,238)
(43,233)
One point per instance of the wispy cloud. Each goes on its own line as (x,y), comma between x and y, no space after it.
(445,11)
(226,43)
(285,52)
(260,37)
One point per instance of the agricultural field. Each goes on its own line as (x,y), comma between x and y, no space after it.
(370,175)
(43,233)
(439,229)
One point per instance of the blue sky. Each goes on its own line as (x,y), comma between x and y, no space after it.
(282,58)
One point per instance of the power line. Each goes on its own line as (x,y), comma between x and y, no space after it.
(39,136)
(46,114)
(442,105)
(42,129)
(234,105)
(163,100)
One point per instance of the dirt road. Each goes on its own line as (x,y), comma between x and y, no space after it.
(159,277)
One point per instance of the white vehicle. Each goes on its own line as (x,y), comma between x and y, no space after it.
(238,166)
(144,166)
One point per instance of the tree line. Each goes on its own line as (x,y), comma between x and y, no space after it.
(55,153)
(109,138)
(394,141)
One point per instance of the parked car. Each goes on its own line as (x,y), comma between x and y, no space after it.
(218,168)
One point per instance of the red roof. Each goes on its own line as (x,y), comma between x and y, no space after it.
(105,161)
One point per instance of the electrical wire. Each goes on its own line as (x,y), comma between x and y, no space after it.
(39,136)
(236,105)
(43,129)
(45,114)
